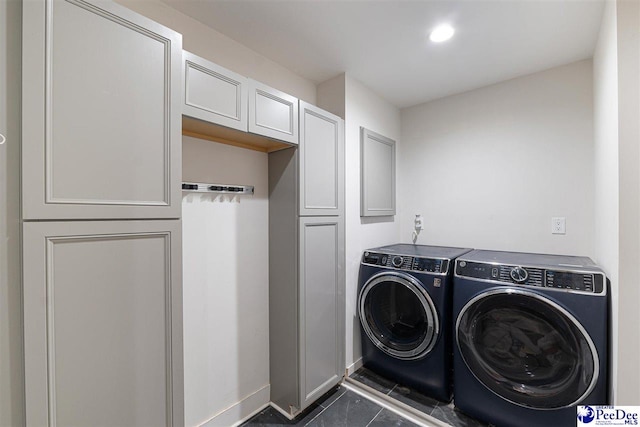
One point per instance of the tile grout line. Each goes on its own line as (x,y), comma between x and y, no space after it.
(393,388)
(433,410)
(325,408)
(334,401)
(374,417)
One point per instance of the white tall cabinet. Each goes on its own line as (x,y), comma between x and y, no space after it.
(306,263)
(101,119)
(102,323)
(101,174)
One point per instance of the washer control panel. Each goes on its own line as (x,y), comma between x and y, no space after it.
(405,262)
(565,280)
(531,276)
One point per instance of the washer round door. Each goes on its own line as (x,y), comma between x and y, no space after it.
(398,315)
(527,349)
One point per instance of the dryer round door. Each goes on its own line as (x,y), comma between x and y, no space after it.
(527,349)
(398,315)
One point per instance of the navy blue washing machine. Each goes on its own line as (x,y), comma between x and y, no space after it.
(404,306)
(531,337)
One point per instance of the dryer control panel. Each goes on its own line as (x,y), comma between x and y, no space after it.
(580,281)
(404,262)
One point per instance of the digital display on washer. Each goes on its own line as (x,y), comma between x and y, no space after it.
(568,280)
(430,265)
(476,270)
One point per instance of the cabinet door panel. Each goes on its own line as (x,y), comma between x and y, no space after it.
(321,306)
(101,113)
(321,162)
(377,174)
(272,113)
(213,93)
(103,329)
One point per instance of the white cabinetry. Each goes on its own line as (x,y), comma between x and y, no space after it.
(321,303)
(103,330)
(222,106)
(101,89)
(321,162)
(213,93)
(101,142)
(377,174)
(272,113)
(306,263)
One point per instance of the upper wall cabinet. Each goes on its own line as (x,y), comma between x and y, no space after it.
(321,162)
(217,103)
(272,113)
(378,174)
(214,94)
(101,113)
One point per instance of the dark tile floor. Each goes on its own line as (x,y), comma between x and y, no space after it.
(338,408)
(344,408)
(441,410)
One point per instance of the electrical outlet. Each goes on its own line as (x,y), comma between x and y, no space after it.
(418,224)
(558,225)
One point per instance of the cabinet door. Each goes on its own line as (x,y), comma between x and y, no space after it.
(272,113)
(101,117)
(377,174)
(321,162)
(103,323)
(321,302)
(213,93)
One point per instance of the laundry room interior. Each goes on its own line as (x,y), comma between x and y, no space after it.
(507,137)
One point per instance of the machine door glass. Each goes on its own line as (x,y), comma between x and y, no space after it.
(527,349)
(398,315)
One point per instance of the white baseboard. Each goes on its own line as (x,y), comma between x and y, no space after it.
(241,411)
(354,367)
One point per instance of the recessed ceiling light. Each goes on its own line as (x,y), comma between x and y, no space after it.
(442,33)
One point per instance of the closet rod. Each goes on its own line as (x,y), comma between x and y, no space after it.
(200,187)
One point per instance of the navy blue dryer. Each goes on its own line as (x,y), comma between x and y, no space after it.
(531,336)
(404,305)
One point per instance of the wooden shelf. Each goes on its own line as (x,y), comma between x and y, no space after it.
(204,130)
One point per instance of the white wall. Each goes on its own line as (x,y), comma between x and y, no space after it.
(628,45)
(362,107)
(11,366)
(617,185)
(606,169)
(216,47)
(226,283)
(490,167)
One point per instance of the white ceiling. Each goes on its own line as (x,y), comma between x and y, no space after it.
(385,45)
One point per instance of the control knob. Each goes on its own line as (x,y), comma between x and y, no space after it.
(519,274)
(396,261)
